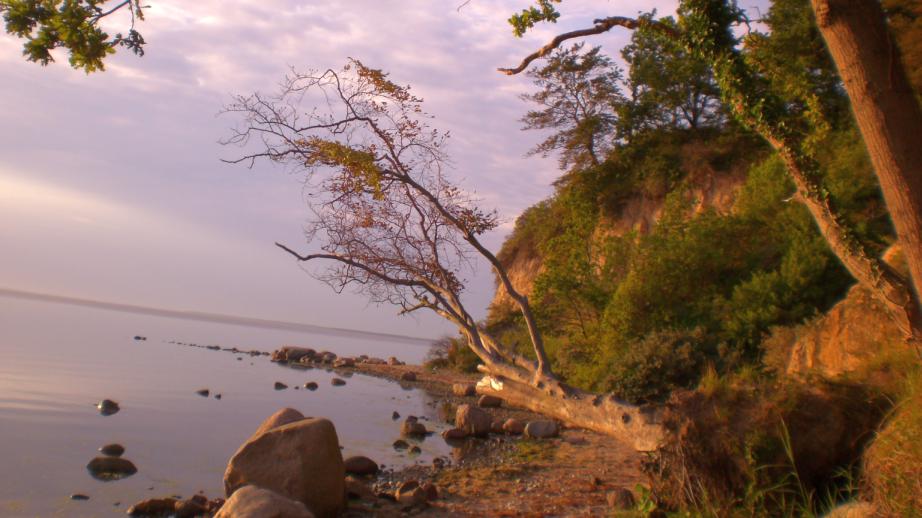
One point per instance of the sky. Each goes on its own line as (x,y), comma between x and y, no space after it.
(112,185)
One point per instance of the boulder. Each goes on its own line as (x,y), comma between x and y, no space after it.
(280,418)
(541,429)
(464,389)
(280,386)
(107,407)
(336,382)
(311,385)
(513,426)
(292,354)
(153,507)
(488,401)
(256,502)
(454,434)
(360,465)
(110,468)
(344,362)
(496,425)
(408,376)
(473,420)
(299,460)
(413,428)
(620,499)
(112,450)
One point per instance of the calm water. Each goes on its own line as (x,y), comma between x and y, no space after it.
(57,361)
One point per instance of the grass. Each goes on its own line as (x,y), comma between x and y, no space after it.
(893,463)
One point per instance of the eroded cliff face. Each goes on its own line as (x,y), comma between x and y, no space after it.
(705,187)
(853,336)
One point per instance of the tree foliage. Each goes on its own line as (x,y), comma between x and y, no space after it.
(74,26)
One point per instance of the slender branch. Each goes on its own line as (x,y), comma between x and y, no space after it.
(600,26)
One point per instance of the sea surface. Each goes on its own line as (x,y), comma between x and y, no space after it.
(58,360)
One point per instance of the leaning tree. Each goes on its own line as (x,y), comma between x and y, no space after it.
(387,221)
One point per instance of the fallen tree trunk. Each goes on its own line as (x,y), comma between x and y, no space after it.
(637,426)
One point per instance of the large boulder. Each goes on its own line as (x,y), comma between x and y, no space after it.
(280,418)
(300,460)
(473,420)
(256,502)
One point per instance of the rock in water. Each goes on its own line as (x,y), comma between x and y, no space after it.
(400,444)
(413,428)
(112,450)
(256,502)
(408,376)
(299,460)
(454,434)
(153,507)
(107,407)
(79,496)
(280,386)
(473,420)
(310,385)
(203,392)
(110,468)
(360,465)
(541,429)
(337,382)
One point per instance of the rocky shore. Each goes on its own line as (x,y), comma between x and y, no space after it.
(504,461)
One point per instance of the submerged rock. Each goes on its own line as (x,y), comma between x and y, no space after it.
(107,407)
(300,460)
(400,444)
(111,468)
(112,450)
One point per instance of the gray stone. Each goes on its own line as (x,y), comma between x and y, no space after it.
(473,420)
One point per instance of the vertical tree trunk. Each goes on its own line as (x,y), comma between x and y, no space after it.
(885,108)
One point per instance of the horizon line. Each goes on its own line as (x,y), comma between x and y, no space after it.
(202,316)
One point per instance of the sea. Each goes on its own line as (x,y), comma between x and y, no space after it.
(58,360)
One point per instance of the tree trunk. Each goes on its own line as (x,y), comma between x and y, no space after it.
(886,110)
(635,425)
